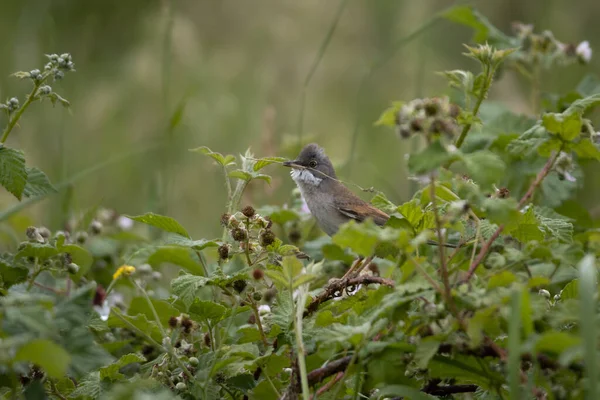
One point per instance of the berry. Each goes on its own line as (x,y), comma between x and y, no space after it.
(239,285)
(173,322)
(225,219)
(257,296)
(207,339)
(73,268)
(248,211)
(194,362)
(181,386)
(223,251)
(258,274)
(266,238)
(239,234)
(187,325)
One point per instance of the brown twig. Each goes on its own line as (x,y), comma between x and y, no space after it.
(337,286)
(534,185)
(328,385)
(318,375)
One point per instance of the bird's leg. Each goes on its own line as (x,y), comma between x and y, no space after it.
(354,265)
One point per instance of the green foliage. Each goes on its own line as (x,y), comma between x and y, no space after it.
(110,310)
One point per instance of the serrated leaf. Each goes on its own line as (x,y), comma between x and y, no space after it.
(167,224)
(402,391)
(263,162)
(112,373)
(202,310)
(303,279)
(12,274)
(425,351)
(38,184)
(381,201)
(240,174)
(565,125)
(585,148)
(89,387)
(50,356)
(151,328)
(502,279)
(526,228)
(554,224)
(200,244)
(292,267)
(218,157)
(432,157)
(278,279)
(80,256)
(248,334)
(176,255)
(556,342)
(13,173)
(582,105)
(42,251)
(360,238)
(186,286)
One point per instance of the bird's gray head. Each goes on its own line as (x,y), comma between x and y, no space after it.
(312,166)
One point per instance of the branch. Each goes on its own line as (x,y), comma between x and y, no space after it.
(337,286)
(534,185)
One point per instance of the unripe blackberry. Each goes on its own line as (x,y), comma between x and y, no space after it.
(173,322)
(257,296)
(269,222)
(73,268)
(223,251)
(503,193)
(225,219)
(239,285)
(239,234)
(266,238)
(416,125)
(248,211)
(181,386)
(270,295)
(432,108)
(187,325)
(207,339)
(194,362)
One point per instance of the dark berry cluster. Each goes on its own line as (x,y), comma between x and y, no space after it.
(431,117)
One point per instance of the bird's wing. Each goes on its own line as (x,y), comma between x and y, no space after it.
(355,208)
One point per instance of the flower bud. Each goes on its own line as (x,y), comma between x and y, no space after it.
(157,276)
(81,237)
(181,386)
(73,268)
(194,362)
(45,90)
(96,227)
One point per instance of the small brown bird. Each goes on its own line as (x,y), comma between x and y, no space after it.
(328,200)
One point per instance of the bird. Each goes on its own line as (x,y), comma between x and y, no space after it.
(329,201)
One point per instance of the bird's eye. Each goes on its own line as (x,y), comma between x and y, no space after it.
(312,163)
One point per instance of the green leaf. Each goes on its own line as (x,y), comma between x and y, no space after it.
(47,354)
(139,305)
(176,255)
(484,167)
(588,288)
(249,334)
(502,279)
(570,291)
(12,274)
(38,184)
(41,251)
(585,148)
(566,125)
(13,174)
(282,216)
(556,342)
(292,267)
(359,237)
(332,252)
(425,351)
(200,244)
(89,387)
(460,80)
(501,211)
(526,228)
(186,286)
(589,85)
(116,317)
(80,256)
(263,162)
(112,373)
(382,202)
(202,310)
(167,224)
(582,105)
(240,174)
(483,29)
(433,156)
(389,116)
(554,224)
(218,157)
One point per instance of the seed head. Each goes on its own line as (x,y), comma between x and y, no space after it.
(173,322)
(239,234)
(432,108)
(266,238)
(223,251)
(503,193)
(187,325)
(248,211)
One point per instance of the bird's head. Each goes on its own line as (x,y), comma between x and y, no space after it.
(312,166)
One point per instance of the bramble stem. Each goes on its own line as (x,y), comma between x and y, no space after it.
(534,185)
(489,76)
(17,115)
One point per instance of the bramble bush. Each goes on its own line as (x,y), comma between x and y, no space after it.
(510,311)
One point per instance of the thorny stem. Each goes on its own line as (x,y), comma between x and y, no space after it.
(258,323)
(489,76)
(329,385)
(534,185)
(17,115)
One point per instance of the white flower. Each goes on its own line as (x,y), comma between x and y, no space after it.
(569,177)
(584,51)
(451,148)
(124,223)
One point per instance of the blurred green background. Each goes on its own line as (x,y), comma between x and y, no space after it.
(237,69)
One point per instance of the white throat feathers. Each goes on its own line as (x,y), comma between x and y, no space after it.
(304,176)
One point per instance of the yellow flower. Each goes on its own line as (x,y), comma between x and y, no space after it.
(123,270)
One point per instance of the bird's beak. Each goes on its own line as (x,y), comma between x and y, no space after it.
(292,164)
